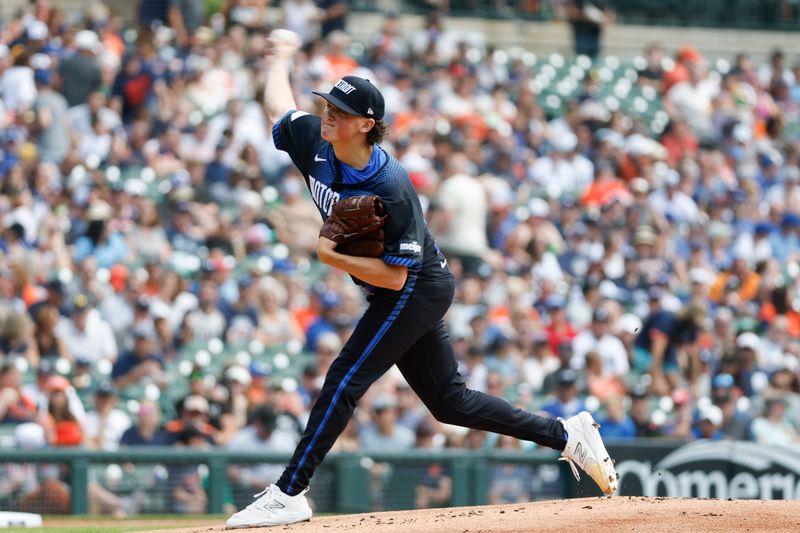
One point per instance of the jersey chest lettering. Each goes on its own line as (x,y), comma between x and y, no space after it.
(323,196)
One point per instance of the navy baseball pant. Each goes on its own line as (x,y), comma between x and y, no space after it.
(406,328)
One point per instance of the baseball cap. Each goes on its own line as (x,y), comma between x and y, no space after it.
(106,388)
(555,301)
(748,339)
(538,207)
(639,391)
(383,401)
(357,96)
(239,374)
(195,402)
(567,376)
(722,381)
(712,413)
(46,368)
(86,40)
(600,315)
(56,382)
(80,303)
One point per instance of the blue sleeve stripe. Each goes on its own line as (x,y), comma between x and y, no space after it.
(403,261)
(276,136)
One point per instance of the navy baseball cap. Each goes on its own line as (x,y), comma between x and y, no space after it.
(357,96)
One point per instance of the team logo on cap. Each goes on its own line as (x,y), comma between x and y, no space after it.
(345,87)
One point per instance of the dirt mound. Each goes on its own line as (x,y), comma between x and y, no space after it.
(589,515)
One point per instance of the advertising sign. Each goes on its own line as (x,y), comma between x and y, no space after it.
(709,469)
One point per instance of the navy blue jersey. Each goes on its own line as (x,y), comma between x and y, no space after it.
(407,240)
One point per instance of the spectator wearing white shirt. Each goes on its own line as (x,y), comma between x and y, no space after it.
(80,116)
(563,167)
(693,98)
(672,201)
(17,86)
(105,424)
(86,334)
(207,322)
(773,428)
(464,214)
(598,338)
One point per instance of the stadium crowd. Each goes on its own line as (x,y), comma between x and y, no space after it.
(646,273)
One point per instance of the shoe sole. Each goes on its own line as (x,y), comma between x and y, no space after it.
(267,523)
(602,472)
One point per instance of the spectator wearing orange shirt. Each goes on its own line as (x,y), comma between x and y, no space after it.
(605,188)
(738,280)
(341,64)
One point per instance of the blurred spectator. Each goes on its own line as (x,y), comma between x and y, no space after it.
(735,423)
(616,424)
(207,321)
(187,492)
(662,334)
(141,364)
(185,17)
(231,394)
(194,414)
(79,74)
(541,362)
(709,422)
(435,485)
(61,424)
(588,19)
(52,120)
(147,429)
(598,338)
(566,402)
(772,427)
(276,323)
(86,334)
(48,344)
(464,214)
(39,391)
(641,414)
(17,83)
(106,424)
(326,322)
(333,15)
(384,433)
(15,406)
(600,384)
(510,483)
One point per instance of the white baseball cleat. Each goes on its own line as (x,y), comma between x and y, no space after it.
(585,447)
(272,508)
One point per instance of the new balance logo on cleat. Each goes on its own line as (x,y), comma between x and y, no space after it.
(581,452)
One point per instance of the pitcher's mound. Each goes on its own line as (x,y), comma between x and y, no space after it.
(591,515)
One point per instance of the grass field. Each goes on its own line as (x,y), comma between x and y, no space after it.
(105,524)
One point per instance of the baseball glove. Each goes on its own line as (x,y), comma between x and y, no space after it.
(356,225)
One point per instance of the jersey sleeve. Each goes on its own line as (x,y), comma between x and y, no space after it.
(404,234)
(297,134)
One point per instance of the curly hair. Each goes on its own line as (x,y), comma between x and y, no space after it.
(377,133)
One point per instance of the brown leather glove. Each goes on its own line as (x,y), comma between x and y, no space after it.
(356,225)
